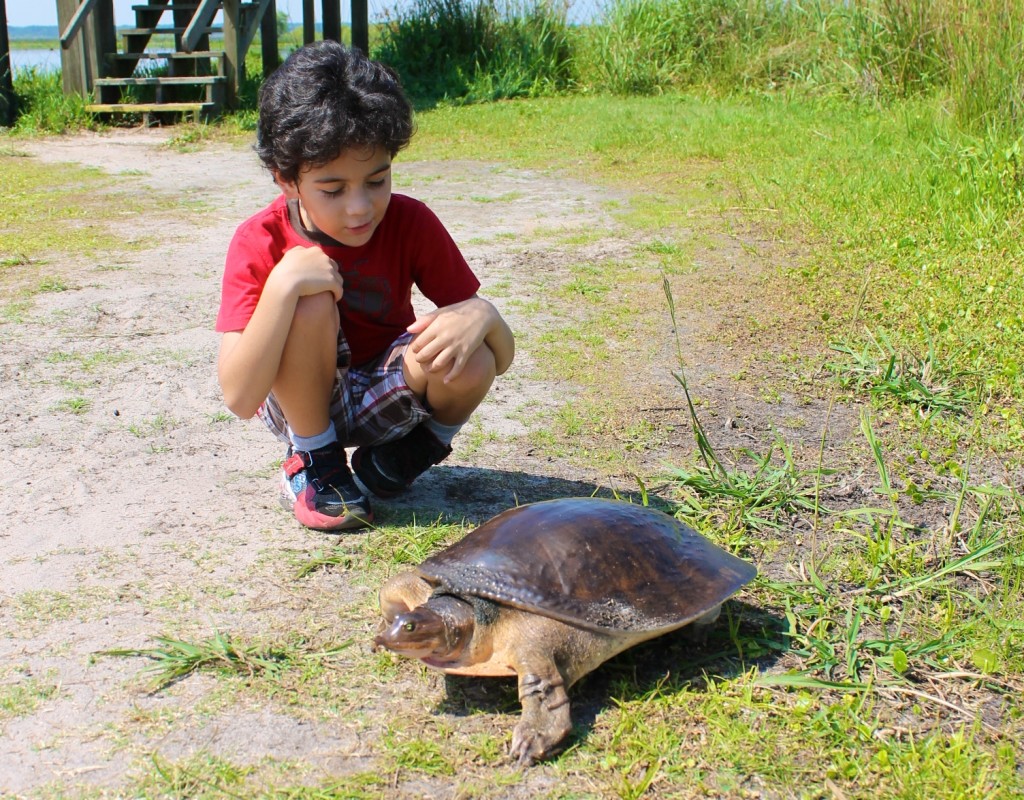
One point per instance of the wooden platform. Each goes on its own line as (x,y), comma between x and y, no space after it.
(192,78)
(115,67)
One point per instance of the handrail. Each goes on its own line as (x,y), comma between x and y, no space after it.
(254,24)
(75,23)
(200,22)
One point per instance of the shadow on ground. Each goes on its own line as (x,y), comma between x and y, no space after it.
(473,495)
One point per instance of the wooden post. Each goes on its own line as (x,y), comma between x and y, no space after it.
(84,61)
(268,39)
(7,108)
(332,19)
(361,25)
(234,57)
(308,21)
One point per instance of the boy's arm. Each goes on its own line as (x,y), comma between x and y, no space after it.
(249,359)
(449,335)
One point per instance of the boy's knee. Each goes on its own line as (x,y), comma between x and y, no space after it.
(314,311)
(477,374)
(481,367)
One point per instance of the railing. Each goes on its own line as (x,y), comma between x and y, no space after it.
(75,24)
(200,22)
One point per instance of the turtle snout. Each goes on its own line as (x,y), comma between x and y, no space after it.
(378,639)
(418,633)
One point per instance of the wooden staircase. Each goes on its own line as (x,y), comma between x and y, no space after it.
(183,74)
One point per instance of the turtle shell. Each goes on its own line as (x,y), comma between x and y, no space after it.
(600,564)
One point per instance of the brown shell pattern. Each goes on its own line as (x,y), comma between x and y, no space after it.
(601,564)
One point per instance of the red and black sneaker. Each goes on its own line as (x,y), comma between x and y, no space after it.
(390,468)
(317,487)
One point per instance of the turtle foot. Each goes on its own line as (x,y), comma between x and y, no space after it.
(530,745)
(546,720)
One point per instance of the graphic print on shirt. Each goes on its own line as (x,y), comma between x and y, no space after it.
(368,295)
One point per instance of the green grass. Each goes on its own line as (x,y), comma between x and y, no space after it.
(21,693)
(34,44)
(32,225)
(42,106)
(893,198)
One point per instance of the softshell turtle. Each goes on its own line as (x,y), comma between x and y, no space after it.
(549,591)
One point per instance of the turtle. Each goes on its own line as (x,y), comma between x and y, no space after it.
(547,592)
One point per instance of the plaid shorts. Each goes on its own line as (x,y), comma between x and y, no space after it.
(370,403)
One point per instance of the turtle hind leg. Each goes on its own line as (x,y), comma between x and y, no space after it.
(546,719)
(697,631)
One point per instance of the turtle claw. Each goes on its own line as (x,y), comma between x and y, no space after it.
(529,746)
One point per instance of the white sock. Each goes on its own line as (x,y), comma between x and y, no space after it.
(309,443)
(444,433)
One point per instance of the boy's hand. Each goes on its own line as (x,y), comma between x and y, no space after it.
(448,336)
(307,270)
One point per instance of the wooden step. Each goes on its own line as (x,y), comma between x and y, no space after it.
(162,80)
(148,108)
(160,31)
(167,7)
(168,55)
(187,7)
(177,65)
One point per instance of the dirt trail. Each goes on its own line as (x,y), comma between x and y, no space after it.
(149,511)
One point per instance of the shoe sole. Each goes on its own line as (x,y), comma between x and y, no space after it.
(327,524)
(322,522)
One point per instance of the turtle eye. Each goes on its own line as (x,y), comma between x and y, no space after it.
(409,626)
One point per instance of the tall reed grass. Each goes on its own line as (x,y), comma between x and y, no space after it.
(42,107)
(984,42)
(477,50)
(969,50)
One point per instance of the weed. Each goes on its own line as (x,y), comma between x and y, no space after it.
(52,283)
(419,754)
(478,50)
(921,382)
(24,694)
(199,775)
(152,427)
(74,405)
(42,105)
(770,496)
(175,659)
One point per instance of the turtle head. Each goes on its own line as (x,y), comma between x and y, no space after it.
(436,631)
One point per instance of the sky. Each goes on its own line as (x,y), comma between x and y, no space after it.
(44,12)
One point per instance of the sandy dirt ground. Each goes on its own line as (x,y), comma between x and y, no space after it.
(147,510)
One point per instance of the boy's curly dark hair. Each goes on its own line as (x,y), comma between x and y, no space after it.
(324,99)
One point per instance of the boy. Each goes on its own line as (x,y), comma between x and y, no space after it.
(319,335)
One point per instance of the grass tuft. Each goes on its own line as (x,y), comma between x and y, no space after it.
(175,659)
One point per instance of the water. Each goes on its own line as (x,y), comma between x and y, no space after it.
(49,60)
(43,60)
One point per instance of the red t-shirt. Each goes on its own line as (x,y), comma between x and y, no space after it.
(410,247)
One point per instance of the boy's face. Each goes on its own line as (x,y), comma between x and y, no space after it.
(345,198)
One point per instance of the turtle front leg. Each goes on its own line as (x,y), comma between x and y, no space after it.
(546,719)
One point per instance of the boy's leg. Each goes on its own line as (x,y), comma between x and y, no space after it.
(305,378)
(390,468)
(317,484)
